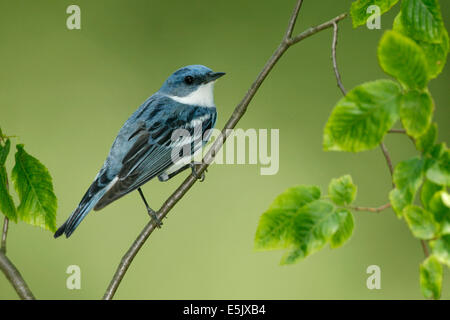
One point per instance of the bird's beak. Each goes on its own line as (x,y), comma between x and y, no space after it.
(214,76)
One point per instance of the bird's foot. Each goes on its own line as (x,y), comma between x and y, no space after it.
(154,217)
(193,166)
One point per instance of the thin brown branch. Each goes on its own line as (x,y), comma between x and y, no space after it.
(403,131)
(333,55)
(369,209)
(4,234)
(15,278)
(293,19)
(313,30)
(387,156)
(344,92)
(425,248)
(237,114)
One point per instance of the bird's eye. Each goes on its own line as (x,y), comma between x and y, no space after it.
(189,80)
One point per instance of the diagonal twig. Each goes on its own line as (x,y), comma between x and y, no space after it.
(15,278)
(293,19)
(333,55)
(9,269)
(237,114)
(387,156)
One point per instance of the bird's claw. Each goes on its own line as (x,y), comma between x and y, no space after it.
(158,223)
(200,177)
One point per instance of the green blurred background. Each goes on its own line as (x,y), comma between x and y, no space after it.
(66,93)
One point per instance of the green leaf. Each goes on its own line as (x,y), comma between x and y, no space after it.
(399,200)
(428,190)
(422,19)
(441,249)
(274,230)
(420,222)
(408,174)
(434,154)
(439,171)
(275,225)
(431,277)
(342,191)
(361,119)
(440,207)
(293,255)
(407,178)
(345,229)
(425,142)
(402,58)
(358,10)
(435,53)
(301,223)
(295,197)
(398,25)
(33,184)
(416,111)
(4,151)
(313,226)
(7,206)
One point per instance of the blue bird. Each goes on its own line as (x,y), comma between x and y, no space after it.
(148,144)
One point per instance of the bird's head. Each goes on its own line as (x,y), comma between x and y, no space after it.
(192,85)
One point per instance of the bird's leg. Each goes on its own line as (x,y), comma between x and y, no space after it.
(193,166)
(164,177)
(150,211)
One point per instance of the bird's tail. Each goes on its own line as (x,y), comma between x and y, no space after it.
(90,199)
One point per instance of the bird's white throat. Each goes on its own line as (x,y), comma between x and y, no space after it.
(202,97)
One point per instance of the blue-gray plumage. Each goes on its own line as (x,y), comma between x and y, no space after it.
(143,147)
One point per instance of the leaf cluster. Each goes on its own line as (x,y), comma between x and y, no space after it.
(412,53)
(301,222)
(34,187)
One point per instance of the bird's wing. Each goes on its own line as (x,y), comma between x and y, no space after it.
(150,154)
